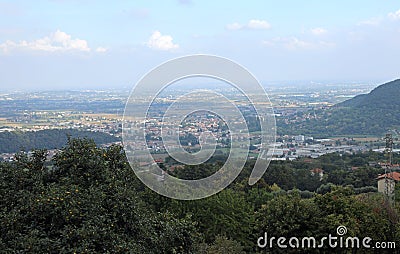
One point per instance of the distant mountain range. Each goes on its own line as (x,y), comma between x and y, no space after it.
(364,115)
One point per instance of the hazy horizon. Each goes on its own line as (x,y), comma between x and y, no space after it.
(275,84)
(69,45)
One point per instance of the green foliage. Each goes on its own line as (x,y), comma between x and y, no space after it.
(325,188)
(226,213)
(364,215)
(397,192)
(385,96)
(281,174)
(34,162)
(221,245)
(371,114)
(196,172)
(88,200)
(85,204)
(297,216)
(366,189)
(12,142)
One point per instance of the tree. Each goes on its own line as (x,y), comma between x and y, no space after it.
(280,174)
(222,244)
(297,216)
(91,205)
(226,213)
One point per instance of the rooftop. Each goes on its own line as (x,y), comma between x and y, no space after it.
(395,176)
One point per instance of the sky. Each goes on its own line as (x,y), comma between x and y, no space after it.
(88,44)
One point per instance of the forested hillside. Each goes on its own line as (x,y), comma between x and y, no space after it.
(88,200)
(12,142)
(385,97)
(368,114)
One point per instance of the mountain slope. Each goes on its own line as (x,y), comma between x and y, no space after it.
(11,142)
(385,96)
(368,114)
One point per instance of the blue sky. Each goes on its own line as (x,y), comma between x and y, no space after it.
(72,44)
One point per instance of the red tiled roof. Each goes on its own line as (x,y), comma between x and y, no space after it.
(384,164)
(394,175)
(317,170)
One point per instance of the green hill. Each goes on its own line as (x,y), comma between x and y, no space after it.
(368,114)
(11,142)
(384,97)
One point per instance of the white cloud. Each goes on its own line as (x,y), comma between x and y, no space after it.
(56,42)
(326,44)
(234,26)
(371,22)
(258,24)
(318,31)
(394,15)
(161,42)
(253,24)
(294,43)
(101,49)
(269,43)
(379,20)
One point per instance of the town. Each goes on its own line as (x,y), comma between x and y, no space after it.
(102,111)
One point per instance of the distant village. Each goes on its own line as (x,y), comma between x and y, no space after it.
(286,147)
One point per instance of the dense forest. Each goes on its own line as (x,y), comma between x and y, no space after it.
(368,114)
(88,200)
(12,142)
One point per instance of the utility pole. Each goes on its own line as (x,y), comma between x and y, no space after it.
(389,181)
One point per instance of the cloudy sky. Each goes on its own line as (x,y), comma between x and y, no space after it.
(71,44)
